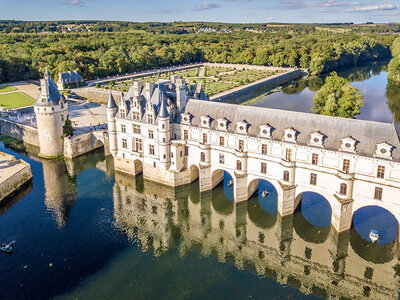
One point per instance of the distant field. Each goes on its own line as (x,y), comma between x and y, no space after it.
(14,100)
(7,88)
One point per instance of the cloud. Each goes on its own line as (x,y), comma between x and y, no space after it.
(74,2)
(205,6)
(333,3)
(373,8)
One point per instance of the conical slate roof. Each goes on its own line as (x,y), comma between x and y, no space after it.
(163,113)
(49,94)
(111,102)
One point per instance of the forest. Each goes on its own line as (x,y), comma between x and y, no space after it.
(123,47)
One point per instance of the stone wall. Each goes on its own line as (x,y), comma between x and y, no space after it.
(81,144)
(20,132)
(15,180)
(238,94)
(96,95)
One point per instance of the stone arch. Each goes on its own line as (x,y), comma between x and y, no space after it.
(194,172)
(138,166)
(225,177)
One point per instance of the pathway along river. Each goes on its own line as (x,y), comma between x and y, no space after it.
(83,231)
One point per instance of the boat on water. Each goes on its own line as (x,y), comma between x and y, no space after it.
(373,236)
(6,248)
(264,193)
(230,183)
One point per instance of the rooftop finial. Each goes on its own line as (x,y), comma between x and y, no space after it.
(47,73)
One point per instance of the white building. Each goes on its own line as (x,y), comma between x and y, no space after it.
(157,130)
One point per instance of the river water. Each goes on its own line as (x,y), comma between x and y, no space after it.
(83,231)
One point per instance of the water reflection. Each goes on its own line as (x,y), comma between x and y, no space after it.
(312,259)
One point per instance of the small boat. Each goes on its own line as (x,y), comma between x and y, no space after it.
(373,236)
(264,193)
(230,183)
(6,248)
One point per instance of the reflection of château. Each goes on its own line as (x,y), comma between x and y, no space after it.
(275,247)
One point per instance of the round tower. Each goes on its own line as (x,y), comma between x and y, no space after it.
(51,112)
(112,129)
(164,133)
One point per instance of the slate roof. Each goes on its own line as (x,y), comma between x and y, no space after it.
(69,77)
(111,102)
(367,133)
(49,94)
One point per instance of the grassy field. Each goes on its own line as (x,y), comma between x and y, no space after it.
(14,100)
(7,88)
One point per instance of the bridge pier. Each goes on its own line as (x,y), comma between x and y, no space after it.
(342,214)
(286,200)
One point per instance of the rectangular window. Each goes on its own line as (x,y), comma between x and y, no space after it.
(135,115)
(221,141)
(123,128)
(186,150)
(264,149)
(151,149)
(381,172)
(343,189)
(185,135)
(163,126)
(289,154)
(221,159)
(285,175)
(378,193)
(264,168)
(241,145)
(124,144)
(313,179)
(62,118)
(314,160)
(180,154)
(136,129)
(204,138)
(151,134)
(150,119)
(202,157)
(346,165)
(137,145)
(122,113)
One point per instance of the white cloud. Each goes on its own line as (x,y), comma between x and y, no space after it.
(74,2)
(205,6)
(373,8)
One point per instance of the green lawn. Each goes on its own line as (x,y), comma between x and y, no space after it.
(14,100)
(7,88)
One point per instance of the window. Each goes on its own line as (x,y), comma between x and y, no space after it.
(285,175)
(62,118)
(289,154)
(346,165)
(314,160)
(264,149)
(239,165)
(221,141)
(122,113)
(381,172)
(343,189)
(185,135)
(186,150)
(151,134)
(124,143)
(151,149)
(241,145)
(313,179)
(137,145)
(172,154)
(136,129)
(135,115)
(202,157)
(150,119)
(204,138)
(264,168)
(378,193)
(123,128)
(180,154)
(163,126)
(221,159)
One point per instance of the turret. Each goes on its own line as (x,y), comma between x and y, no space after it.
(112,130)
(181,95)
(164,133)
(51,112)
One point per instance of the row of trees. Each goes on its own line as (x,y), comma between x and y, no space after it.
(25,56)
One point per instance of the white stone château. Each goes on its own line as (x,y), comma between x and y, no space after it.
(163,131)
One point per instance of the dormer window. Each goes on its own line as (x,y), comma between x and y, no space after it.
(384,150)
(241,127)
(186,118)
(266,131)
(205,121)
(349,144)
(290,135)
(317,139)
(222,124)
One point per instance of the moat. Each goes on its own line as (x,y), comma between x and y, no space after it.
(84,231)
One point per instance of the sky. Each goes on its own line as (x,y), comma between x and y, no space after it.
(230,11)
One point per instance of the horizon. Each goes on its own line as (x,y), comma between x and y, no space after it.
(218,11)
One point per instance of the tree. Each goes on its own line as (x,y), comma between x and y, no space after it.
(98,85)
(68,130)
(337,98)
(112,83)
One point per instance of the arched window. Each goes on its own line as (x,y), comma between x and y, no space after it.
(343,189)
(202,157)
(285,175)
(239,165)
